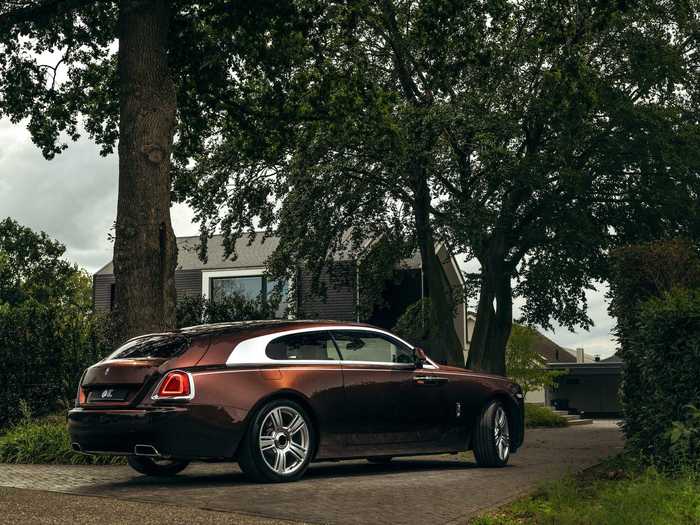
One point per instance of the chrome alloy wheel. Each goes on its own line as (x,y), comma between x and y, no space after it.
(501,434)
(284,440)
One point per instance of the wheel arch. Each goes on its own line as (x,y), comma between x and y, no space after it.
(512,409)
(292,395)
(515,419)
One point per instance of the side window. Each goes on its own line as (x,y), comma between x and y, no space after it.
(370,346)
(317,346)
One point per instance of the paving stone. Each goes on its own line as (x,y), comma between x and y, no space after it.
(421,490)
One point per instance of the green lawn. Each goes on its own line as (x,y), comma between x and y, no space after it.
(615,493)
(539,416)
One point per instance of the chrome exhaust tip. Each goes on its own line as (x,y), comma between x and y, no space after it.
(146,450)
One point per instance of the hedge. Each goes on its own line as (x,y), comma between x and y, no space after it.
(666,361)
(44,348)
(655,297)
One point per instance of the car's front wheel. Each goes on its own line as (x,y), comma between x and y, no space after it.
(278,444)
(492,436)
(156,467)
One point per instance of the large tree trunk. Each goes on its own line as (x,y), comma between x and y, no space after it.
(145,252)
(447,349)
(494,318)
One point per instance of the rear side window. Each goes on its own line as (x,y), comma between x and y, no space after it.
(372,347)
(316,346)
(154,346)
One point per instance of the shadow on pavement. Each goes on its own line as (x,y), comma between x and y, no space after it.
(317,471)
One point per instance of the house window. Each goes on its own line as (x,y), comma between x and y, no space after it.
(252,287)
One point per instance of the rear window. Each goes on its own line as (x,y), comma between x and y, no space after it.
(155,346)
(315,346)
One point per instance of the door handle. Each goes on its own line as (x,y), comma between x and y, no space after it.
(430,380)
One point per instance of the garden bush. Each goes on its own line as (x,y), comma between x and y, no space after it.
(45,440)
(200,310)
(48,333)
(666,353)
(524,364)
(539,416)
(655,297)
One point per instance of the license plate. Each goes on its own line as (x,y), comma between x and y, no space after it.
(105,395)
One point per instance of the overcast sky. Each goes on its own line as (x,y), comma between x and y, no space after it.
(73,198)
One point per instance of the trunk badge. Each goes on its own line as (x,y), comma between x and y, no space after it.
(458,410)
(106,371)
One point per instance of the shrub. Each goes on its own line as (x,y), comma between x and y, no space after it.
(685,439)
(414,325)
(199,310)
(44,441)
(654,292)
(539,416)
(666,357)
(419,326)
(524,364)
(48,334)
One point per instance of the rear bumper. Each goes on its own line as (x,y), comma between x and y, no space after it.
(195,431)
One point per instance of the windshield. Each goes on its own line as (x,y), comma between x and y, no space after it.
(152,346)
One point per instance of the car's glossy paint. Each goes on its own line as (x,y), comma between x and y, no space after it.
(358,409)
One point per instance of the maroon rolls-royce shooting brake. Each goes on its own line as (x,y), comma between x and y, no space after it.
(276,395)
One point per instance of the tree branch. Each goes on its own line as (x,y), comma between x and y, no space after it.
(45,10)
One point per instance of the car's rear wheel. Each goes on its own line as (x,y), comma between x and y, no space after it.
(492,436)
(278,444)
(155,466)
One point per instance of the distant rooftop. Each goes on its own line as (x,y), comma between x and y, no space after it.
(250,254)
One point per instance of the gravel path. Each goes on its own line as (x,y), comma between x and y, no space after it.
(434,489)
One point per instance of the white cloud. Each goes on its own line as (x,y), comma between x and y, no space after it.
(73,197)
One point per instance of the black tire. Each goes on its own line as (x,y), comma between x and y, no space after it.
(380,460)
(153,467)
(488,449)
(280,441)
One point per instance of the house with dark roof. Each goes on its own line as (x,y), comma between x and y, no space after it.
(588,387)
(221,275)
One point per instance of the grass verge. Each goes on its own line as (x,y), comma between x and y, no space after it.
(539,416)
(45,440)
(615,493)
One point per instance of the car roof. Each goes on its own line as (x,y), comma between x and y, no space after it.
(273,325)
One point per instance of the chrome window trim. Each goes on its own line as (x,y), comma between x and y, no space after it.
(189,397)
(252,351)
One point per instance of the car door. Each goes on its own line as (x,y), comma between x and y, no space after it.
(308,362)
(388,400)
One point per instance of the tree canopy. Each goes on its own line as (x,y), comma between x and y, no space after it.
(531,136)
(154,76)
(48,334)
(33,267)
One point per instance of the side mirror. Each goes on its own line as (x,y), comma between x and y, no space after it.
(421,357)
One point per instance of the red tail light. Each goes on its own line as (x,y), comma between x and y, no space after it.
(175,385)
(80,397)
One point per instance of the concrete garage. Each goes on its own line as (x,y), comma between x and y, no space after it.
(588,388)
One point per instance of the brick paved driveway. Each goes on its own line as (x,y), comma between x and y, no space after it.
(434,490)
